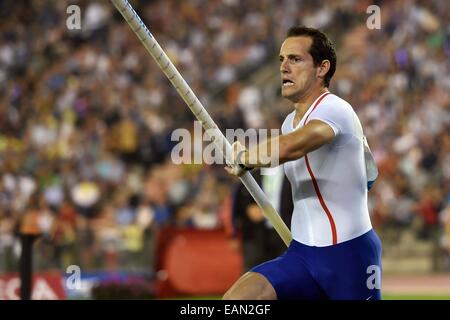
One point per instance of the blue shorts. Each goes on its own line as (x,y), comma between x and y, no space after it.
(347,270)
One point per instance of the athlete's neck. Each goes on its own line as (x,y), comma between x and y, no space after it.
(305,102)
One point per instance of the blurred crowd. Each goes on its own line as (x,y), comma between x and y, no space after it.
(86,117)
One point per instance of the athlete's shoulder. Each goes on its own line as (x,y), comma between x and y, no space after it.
(337,102)
(336,112)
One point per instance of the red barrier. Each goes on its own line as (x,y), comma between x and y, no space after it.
(195,262)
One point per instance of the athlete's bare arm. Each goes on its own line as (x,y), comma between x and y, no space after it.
(291,146)
(296,144)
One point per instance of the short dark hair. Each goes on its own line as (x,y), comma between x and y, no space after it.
(321,48)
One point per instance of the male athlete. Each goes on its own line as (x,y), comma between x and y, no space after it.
(335,253)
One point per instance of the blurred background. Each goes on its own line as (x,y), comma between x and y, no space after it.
(86,118)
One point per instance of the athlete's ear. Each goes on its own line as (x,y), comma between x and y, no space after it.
(323,68)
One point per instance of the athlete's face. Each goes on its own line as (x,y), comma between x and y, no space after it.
(298,74)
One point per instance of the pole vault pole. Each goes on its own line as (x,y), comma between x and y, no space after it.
(163,61)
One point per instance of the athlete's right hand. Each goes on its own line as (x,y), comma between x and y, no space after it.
(237,168)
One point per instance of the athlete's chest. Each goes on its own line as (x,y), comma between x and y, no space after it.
(300,170)
(298,118)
